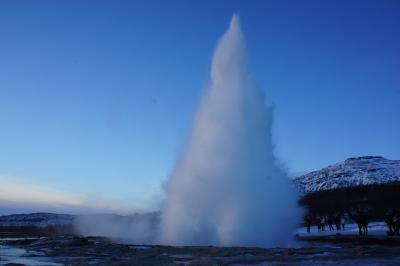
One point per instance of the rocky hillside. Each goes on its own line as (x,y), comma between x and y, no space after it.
(358,171)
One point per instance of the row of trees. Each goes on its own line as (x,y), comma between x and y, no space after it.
(360,204)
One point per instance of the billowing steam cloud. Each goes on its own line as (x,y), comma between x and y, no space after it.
(227,188)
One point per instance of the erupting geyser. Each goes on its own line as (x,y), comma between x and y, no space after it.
(227,188)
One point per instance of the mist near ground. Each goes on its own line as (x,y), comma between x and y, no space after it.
(137,228)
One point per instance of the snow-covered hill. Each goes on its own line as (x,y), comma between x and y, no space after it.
(36,219)
(356,171)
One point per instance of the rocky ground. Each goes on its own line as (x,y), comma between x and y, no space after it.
(312,250)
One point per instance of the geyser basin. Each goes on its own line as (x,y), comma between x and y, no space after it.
(227,188)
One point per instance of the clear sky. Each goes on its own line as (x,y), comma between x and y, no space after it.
(96,97)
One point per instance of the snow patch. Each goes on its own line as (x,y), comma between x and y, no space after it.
(358,171)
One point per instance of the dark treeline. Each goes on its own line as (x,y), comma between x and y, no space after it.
(376,199)
(361,204)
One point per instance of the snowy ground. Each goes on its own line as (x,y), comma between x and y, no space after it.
(315,248)
(374,229)
(20,256)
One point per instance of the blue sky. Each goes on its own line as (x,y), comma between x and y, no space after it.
(96,97)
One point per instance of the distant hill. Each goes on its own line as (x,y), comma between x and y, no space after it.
(42,220)
(36,219)
(353,172)
(142,225)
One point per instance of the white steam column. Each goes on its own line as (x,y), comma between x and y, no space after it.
(226,188)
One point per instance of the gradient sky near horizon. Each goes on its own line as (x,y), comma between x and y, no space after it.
(96,97)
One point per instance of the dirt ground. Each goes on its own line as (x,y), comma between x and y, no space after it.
(339,250)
